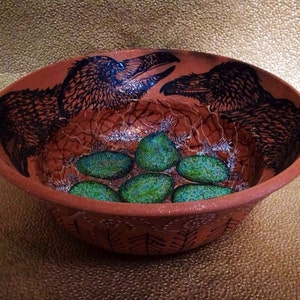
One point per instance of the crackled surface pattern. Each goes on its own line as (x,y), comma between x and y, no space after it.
(191,127)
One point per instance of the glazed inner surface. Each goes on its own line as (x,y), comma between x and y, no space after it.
(199,105)
(191,127)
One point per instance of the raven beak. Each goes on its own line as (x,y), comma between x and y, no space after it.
(139,74)
(186,85)
(135,67)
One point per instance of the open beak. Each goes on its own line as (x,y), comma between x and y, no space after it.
(140,73)
(193,85)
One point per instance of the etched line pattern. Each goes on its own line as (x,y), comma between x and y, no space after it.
(109,239)
(215,232)
(147,243)
(184,240)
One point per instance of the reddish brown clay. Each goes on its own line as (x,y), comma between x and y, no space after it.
(206,104)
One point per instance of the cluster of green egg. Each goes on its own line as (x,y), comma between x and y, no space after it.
(155,154)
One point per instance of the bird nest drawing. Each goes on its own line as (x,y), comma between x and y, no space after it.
(174,131)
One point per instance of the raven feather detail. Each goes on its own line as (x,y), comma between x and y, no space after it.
(233,90)
(29,117)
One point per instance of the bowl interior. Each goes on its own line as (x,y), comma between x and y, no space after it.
(205,104)
(190,126)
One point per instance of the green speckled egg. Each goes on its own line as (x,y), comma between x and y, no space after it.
(193,192)
(156,152)
(105,164)
(94,190)
(206,169)
(147,188)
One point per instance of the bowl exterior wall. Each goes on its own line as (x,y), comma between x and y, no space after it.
(148,235)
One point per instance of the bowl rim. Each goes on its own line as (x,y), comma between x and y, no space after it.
(249,196)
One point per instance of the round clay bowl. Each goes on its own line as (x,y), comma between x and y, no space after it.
(206,105)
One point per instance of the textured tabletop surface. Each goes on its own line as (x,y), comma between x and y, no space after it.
(260,260)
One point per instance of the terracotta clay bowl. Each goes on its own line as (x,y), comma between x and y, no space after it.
(58,123)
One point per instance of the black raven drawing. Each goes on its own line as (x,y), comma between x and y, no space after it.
(28,117)
(233,89)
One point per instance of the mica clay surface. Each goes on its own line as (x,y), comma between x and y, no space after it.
(207,105)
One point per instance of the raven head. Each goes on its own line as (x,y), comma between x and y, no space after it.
(228,86)
(195,86)
(101,81)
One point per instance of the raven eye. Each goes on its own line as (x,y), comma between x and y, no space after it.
(115,67)
(121,66)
